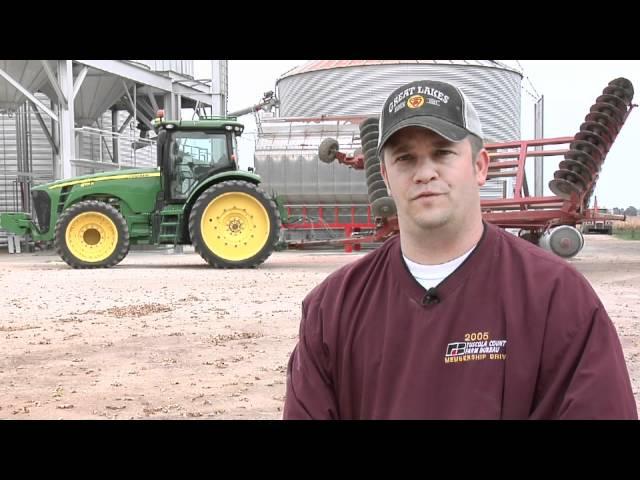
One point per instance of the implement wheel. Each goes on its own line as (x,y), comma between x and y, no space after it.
(328,149)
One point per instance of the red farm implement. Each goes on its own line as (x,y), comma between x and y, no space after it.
(549,221)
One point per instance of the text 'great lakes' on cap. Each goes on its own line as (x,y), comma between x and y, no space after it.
(438,106)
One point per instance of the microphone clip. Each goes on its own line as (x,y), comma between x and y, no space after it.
(431,297)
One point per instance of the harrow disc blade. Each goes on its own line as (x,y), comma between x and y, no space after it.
(370,136)
(572,177)
(563,188)
(620,92)
(594,139)
(578,168)
(614,100)
(599,130)
(611,110)
(605,120)
(584,158)
(383,207)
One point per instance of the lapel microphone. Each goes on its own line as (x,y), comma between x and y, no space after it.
(431,297)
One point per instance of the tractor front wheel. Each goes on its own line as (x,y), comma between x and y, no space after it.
(92,234)
(234,224)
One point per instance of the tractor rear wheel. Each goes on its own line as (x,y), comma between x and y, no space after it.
(92,234)
(234,224)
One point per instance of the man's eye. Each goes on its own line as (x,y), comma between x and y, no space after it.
(445,151)
(403,158)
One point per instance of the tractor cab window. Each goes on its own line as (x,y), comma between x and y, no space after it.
(235,150)
(194,156)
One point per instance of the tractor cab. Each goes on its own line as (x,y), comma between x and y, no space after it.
(189,152)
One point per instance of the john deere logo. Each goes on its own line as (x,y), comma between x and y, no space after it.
(415,102)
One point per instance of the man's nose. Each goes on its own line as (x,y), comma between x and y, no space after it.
(425,170)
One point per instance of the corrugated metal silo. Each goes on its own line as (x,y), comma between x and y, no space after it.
(286,149)
(359,87)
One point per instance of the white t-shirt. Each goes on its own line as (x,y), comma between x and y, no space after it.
(431,275)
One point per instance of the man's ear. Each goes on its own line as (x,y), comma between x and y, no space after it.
(481,165)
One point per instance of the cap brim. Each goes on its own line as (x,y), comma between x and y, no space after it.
(446,129)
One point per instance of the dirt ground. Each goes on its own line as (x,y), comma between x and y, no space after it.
(164,336)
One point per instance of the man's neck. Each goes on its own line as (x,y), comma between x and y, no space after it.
(440,245)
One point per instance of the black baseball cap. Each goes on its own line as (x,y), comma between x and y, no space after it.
(438,106)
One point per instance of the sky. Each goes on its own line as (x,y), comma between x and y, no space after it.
(569,88)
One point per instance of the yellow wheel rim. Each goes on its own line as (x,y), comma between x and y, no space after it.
(235,226)
(91,237)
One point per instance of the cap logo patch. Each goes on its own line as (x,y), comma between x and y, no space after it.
(415,102)
(431,104)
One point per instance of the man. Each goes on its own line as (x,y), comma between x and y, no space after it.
(453,318)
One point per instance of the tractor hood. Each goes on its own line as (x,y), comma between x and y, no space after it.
(100,177)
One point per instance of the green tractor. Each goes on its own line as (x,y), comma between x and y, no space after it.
(196,196)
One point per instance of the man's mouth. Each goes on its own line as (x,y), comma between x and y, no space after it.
(427,195)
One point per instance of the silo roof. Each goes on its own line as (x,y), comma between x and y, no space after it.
(316,65)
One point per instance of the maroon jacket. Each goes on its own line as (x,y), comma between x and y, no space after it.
(513,333)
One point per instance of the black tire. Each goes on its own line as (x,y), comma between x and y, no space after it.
(91,206)
(207,198)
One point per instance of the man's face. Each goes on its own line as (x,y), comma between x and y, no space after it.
(434,182)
